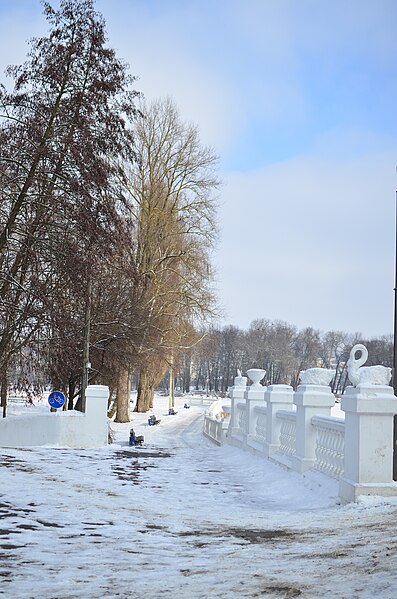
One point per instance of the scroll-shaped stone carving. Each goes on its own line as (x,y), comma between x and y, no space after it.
(316,376)
(373,375)
(215,410)
(240,381)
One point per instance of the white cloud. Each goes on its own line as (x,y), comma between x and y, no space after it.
(200,97)
(311,241)
(168,65)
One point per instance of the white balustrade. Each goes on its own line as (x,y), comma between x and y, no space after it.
(257,438)
(287,432)
(330,445)
(260,423)
(357,450)
(241,417)
(215,429)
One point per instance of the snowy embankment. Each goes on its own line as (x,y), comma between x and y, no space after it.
(181,517)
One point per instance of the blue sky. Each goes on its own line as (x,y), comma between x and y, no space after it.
(299,100)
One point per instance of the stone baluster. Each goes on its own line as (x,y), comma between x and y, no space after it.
(310,400)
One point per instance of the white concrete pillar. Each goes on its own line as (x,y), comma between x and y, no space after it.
(310,400)
(277,397)
(254,396)
(369,412)
(96,421)
(236,396)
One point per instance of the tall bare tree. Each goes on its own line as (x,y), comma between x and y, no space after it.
(171,194)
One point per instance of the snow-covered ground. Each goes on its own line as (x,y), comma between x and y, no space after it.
(180,517)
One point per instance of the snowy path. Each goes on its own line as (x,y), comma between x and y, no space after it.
(183,518)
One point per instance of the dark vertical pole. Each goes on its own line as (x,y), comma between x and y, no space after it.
(86,346)
(395,356)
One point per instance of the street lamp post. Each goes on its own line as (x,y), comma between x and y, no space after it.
(86,345)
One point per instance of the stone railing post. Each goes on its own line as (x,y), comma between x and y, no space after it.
(96,413)
(254,396)
(277,397)
(310,400)
(236,396)
(368,464)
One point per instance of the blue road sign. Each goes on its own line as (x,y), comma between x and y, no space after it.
(56,399)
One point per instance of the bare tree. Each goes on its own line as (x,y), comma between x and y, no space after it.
(171,195)
(307,349)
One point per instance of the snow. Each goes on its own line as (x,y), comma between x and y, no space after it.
(182,517)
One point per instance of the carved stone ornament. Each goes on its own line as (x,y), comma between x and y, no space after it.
(240,381)
(317,376)
(372,375)
(215,410)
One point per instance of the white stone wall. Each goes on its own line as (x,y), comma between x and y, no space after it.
(69,428)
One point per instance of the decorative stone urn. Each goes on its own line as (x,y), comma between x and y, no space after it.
(256,375)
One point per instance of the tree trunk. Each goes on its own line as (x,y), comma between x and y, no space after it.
(112,409)
(123,397)
(171,399)
(150,377)
(145,395)
(225,380)
(112,405)
(187,374)
(198,378)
